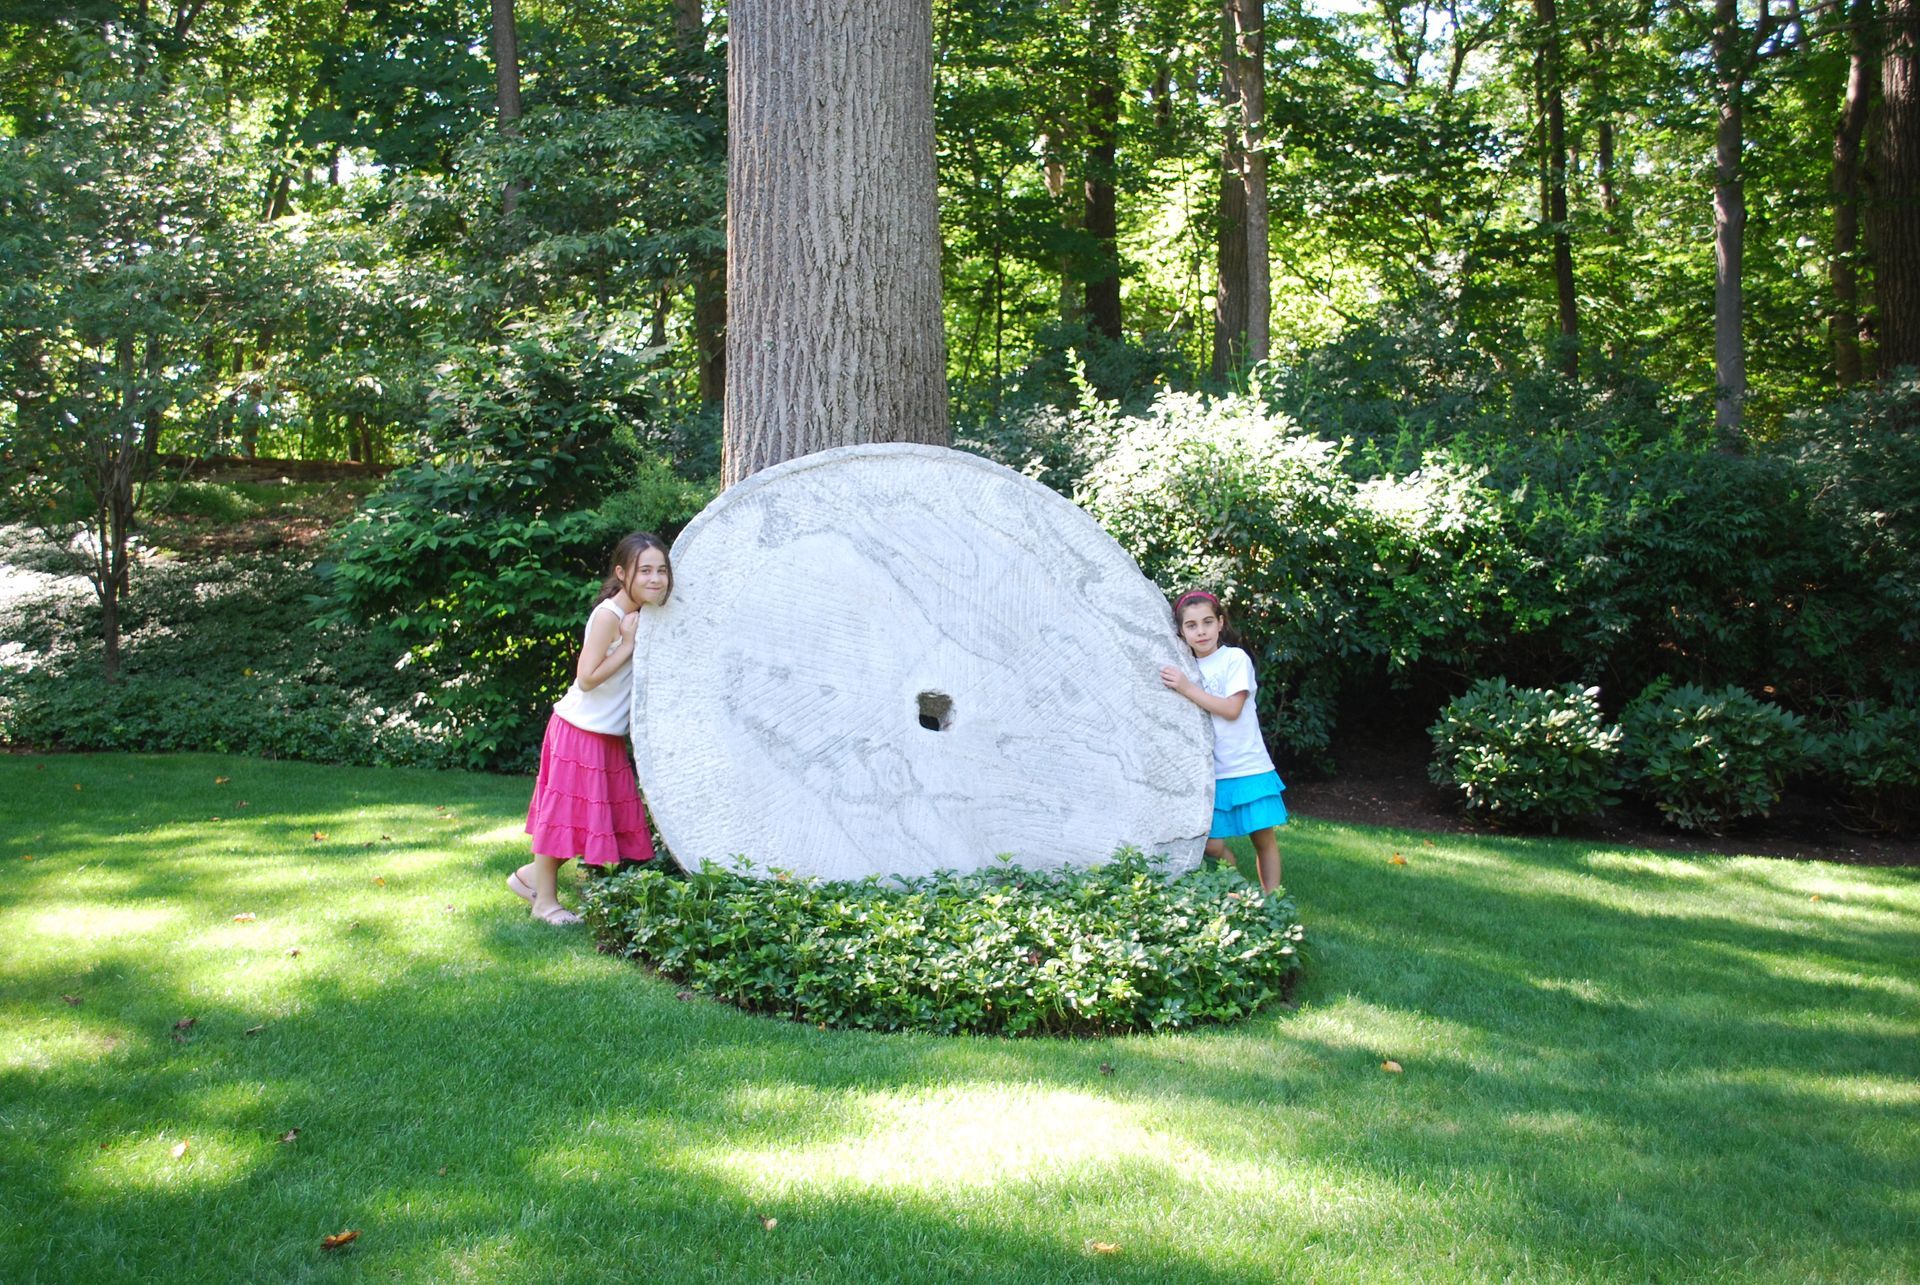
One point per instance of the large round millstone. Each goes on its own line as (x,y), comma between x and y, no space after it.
(897,659)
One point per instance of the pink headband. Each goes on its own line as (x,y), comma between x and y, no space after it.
(1186,598)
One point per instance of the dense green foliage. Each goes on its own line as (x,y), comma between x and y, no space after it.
(1709,758)
(1874,755)
(1005,951)
(1525,755)
(223,655)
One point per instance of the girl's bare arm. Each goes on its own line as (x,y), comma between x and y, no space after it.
(1227,707)
(596,664)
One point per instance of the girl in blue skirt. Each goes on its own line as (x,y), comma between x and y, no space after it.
(1246,789)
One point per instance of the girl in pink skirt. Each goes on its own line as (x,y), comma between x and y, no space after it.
(586,802)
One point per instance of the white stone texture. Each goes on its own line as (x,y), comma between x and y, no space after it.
(820,609)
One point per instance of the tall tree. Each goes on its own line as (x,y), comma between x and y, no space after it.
(1897,243)
(1842,267)
(1100,215)
(1246,68)
(1552,73)
(834,332)
(1736,52)
(506,63)
(709,271)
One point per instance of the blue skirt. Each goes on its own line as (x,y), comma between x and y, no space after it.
(1243,804)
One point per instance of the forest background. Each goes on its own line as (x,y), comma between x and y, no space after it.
(1564,342)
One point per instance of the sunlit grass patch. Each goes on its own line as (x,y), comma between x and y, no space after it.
(1612,1066)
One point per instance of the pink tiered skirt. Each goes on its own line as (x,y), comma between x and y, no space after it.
(586,802)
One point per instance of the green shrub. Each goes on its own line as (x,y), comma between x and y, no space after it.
(1333,581)
(1706,758)
(1005,951)
(1875,758)
(1525,754)
(483,557)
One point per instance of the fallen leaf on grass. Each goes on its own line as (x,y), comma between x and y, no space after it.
(1397,860)
(221,780)
(213,818)
(1815,897)
(340,1239)
(442,1171)
(244,917)
(1102,1247)
(1391,1067)
(683,996)
(26,856)
(292,951)
(76,785)
(289,1135)
(768,1223)
(319,836)
(185,1023)
(255,1030)
(241,804)
(386,838)
(179,1149)
(1106,1068)
(73,1001)
(379,881)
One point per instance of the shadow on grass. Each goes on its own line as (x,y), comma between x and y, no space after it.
(1610,1072)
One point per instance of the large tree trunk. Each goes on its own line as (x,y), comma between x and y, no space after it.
(1896,246)
(1246,65)
(1101,212)
(709,275)
(1842,268)
(506,61)
(834,331)
(1729,219)
(1551,75)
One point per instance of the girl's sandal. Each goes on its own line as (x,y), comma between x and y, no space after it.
(518,887)
(559,917)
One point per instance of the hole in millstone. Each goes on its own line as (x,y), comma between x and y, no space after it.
(936,711)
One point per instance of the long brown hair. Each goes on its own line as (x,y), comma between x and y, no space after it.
(628,552)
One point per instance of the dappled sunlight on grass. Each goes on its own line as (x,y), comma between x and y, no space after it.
(1615,1065)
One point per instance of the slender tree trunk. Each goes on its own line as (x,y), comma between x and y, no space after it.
(1842,268)
(709,272)
(1247,66)
(834,334)
(1896,246)
(506,62)
(1556,184)
(1729,219)
(1100,211)
(1230,263)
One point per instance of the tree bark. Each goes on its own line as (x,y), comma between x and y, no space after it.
(1100,211)
(709,274)
(506,62)
(835,331)
(1230,263)
(1729,219)
(1552,77)
(1896,245)
(1247,67)
(1842,268)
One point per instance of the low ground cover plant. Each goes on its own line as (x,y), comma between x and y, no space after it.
(1004,951)
(1526,755)
(1709,758)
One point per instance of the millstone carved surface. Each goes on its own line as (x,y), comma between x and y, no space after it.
(895,659)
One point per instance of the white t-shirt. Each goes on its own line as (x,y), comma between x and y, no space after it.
(1238,748)
(608,708)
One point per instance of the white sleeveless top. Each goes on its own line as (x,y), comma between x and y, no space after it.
(607,708)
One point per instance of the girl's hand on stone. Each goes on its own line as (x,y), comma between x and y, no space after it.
(628,624)
(1173,678)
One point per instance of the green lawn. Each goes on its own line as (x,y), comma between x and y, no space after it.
(1618,1066)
